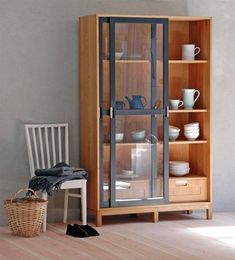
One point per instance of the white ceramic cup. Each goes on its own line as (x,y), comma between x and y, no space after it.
(176,103)
(189,51)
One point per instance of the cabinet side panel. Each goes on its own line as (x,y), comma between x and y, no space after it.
(89,106)
(201,36)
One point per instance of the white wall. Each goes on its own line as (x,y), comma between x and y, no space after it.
(39,79)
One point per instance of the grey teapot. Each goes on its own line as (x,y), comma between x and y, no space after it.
(136,102)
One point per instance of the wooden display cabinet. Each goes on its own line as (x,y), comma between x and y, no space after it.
(121,56)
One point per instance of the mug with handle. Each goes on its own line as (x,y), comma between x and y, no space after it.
(189,51)
(189,97)
(176,103)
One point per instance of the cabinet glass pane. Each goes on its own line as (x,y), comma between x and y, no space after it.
(138,65)
(159,66)
(138,158)
(106,158)
(106,67)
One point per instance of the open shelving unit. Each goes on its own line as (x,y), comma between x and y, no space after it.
(194,74)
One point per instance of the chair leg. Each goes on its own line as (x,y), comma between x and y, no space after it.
(44,223)
(66,198)
(84,203)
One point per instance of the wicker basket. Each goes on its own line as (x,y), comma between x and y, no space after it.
(25,215)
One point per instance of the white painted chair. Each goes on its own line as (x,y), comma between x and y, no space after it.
(48,144)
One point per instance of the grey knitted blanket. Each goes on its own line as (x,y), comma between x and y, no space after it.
(52,178)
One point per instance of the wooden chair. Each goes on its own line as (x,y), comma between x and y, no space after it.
(47,144)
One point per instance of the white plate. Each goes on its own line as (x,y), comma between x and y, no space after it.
(123,176)
(178,162)
(179,167)
(179,174)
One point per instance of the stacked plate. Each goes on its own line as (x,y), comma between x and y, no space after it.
(191,131)
(178,168)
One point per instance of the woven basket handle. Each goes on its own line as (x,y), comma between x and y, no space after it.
(26,189)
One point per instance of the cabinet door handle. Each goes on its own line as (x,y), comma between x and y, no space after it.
(111,112)
(167,111)
(101,112)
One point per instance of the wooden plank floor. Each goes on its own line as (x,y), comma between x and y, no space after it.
(175,236)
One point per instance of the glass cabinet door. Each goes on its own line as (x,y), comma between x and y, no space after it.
(133,101)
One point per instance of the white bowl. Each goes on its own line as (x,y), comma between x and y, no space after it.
(192,131)
(191,136)
(119,137)
(174,129)
(118,55)
(138,135)
(178,167)
(179,170)
(173,136)
(191,127)
(195,124)
(127,172)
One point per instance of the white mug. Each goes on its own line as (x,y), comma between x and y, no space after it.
(176,103)
(189,51)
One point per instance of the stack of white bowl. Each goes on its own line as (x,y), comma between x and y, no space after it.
(191,131)
(178,168)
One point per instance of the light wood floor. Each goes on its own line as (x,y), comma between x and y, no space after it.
(124,237)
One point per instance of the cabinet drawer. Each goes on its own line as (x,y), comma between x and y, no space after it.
(137,190)
(187,189)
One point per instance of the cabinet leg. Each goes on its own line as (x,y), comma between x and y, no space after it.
(189,212)
(155,216)
(98,219)
(209,213)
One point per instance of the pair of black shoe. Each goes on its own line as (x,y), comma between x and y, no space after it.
(81,231)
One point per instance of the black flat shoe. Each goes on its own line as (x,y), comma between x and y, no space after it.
(76,231)
(88,229)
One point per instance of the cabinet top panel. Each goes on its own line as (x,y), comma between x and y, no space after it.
(171,18)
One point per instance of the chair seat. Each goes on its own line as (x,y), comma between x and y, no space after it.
(73,184)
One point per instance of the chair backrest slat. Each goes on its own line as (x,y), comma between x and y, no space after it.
(66,144)
(47,144)
(35,148)
(30,152)
(59,143)
(41,148)
(47,148)
(53,145)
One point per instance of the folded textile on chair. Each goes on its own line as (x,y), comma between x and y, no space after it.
(60,169)
(52,178)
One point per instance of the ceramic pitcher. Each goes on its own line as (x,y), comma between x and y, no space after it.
(189,97)
(136,102)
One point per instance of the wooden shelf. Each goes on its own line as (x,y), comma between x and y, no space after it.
(134,61)
(128,61)
(188,142)
(170,142)
(129,144)
(188,111)
(188,176)
(187,61)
